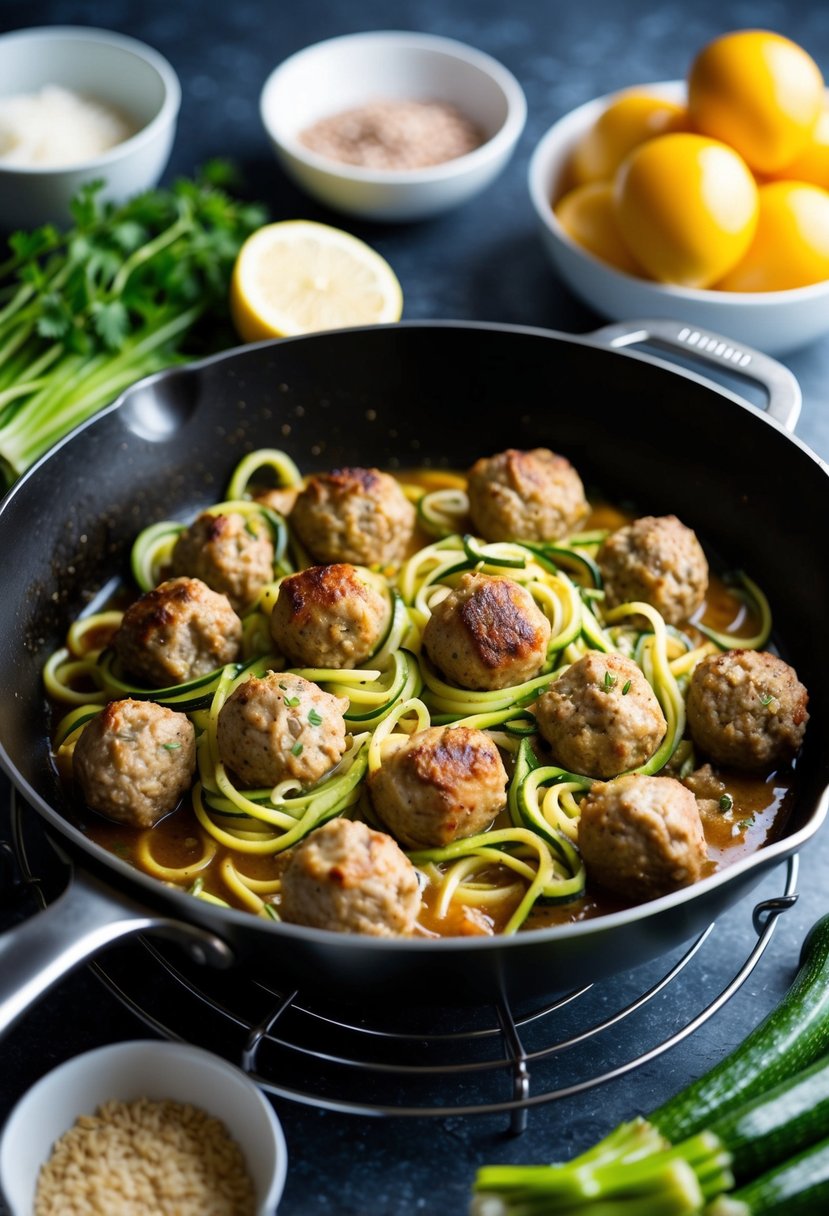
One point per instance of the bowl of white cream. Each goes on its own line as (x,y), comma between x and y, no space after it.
(79,105)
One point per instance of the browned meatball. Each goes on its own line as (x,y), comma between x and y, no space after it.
(487,633)
(601,716)
(747,709)
(176,632)
(134,761)
(329,616)
(348,878)
(528,495)
(641,837)
(280,727)
(656,559)
(354,515)
(232,553)
(443,784)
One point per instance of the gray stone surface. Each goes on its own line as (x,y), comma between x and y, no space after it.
(482,262)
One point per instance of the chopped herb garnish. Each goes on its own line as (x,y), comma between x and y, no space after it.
(197,887)
(626,688)
(609,680)
(314,717)
(270,911)
(726,803)
(296,750)
(766,698)
(171,747)
(291,701)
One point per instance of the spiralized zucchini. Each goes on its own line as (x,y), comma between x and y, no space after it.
(530,855)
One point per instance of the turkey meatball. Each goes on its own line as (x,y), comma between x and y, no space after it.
(487,633)
(747,709)
(348,878)
(601,716)
(329,616)
(281,727)
(641,837)
(532,495)
(134,761)
(232,553)
(443,784)
(656,559)
(176,632)
(354,515)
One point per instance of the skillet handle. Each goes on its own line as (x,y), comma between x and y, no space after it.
(83,920)
(714,350)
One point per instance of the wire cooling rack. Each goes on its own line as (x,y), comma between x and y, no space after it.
(423,1061)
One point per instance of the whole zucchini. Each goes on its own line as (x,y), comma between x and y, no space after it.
(794,1034)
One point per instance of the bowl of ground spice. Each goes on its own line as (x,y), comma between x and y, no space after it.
(392,125)
(149,1127)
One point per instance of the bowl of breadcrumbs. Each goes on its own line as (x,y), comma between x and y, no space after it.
(392,125)
(145,1127)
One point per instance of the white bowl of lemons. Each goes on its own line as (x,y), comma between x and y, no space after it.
(703,200)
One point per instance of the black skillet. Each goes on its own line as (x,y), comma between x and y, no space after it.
(643,430)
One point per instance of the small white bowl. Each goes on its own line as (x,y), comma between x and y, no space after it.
(141,1069)
(340,73)
(773,321)
(111,68)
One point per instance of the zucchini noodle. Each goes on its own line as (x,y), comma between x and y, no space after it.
(279,463)
(68,680)
(175,874)
(529,857)
(81,639)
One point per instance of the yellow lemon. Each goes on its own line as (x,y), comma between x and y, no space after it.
(299,276)
(687,208)
(813,163)
(628,120)
(587,214)
(759,92)
(791,244)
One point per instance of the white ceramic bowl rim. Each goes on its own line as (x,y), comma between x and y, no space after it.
(507,134)
(167,113)
(573,120)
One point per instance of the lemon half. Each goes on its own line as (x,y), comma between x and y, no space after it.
(299,276)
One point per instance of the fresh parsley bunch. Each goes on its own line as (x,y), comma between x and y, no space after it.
(127,290)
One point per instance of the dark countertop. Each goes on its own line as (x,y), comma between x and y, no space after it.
(482,262)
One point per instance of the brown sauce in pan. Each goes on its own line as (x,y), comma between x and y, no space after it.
(760,809)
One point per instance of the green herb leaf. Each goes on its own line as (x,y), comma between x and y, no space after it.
(112,323)
(171,747)
(296,750)
(726,803)
(609,680)
(766,698)
(314,717)
(626,688)
(291,702)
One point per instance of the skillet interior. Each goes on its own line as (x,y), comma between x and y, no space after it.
(430,393)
